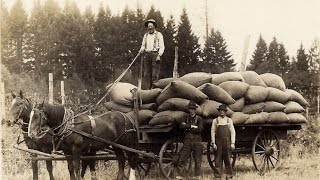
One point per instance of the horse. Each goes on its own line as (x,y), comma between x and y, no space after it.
(112,126)
(20,108)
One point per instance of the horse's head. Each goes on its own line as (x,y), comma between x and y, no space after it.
(18,109)
(38,122)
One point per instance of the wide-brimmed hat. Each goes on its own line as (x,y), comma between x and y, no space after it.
(222,107)
(192,105)
(150,21)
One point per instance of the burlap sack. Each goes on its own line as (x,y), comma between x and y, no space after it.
(144,116)
(121,93)
(148,96)
(277,95)
(252,78)
(253,108)
(167,93)
(216,93)
(278,117)
(295,96)
(166,117)
(209,109)
(258,118)
(226,76)
(256,94)
(293,107)
(236,89)
(273,80)
(112,106)
(273,106)
(196,78)
(238,105)
(296,118)
(177,104)
(162,83)
(239,117)
(150,106)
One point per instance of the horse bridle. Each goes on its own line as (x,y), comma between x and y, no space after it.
(43,129)
(22,107)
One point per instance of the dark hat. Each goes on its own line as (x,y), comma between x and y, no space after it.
(192,105)
(222,107)
(150,21)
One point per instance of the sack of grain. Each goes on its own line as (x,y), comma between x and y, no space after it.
(209,109)
(112,106)
(187,91)
(252,78)
(177,104)
(278,117)
(150,106)
(166,117)
(148,96)
(256,94)
(196,78)
(273,106)
(167,93)
(236,89)
(121,93)
(238,105)
(162,83)
(216,93)
(273,80)
(296,118)
(295,96)
(226,76)
(239,117)
(277,95)
(293,107)
(258,118)
(144,116)
(253,108)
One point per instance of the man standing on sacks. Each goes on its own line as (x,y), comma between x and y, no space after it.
(152,48)
(223,137)
(192,142)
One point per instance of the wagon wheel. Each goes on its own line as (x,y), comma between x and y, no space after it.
(169,158)
(266,151)
(211,157)
(142,170)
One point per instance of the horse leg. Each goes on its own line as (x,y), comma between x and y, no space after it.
(121,163)
(71,168)
(92,165)
(49,168)
(34,165)
(133,160)
(84,165)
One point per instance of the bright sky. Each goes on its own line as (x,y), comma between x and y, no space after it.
(292,22)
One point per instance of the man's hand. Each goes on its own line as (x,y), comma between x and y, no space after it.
(233,146)
(158,58)
(214,146)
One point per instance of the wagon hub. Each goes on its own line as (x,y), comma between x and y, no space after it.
(269,151)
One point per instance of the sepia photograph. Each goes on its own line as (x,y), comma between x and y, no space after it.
(160,89)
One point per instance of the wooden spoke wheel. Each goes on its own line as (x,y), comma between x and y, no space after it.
(169,158)
(211,157)
(266,151)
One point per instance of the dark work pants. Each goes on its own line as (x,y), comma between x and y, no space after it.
(223,153)
(151,69)
(195,147)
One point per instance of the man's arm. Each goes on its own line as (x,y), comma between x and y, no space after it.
(143,45)
(233,131)
(161,44)
(213,131)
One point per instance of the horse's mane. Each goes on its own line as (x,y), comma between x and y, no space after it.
(55,113)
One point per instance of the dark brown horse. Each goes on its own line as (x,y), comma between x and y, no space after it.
(20,109)
(112,126)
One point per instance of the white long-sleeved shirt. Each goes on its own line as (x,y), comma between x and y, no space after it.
(149,43)
(222,121)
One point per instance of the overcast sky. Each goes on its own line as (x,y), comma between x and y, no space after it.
(292,22)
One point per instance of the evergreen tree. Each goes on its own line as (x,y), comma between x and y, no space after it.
(216,58)
(188,46)
(259,57)
(314,62)
(283,65)
(5,34)
(167,61)
(273,58)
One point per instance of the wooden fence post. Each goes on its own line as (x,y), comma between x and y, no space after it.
(50,88)
(63,96)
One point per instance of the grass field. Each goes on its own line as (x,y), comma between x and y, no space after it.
(300,160)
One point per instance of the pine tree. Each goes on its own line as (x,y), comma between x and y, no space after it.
(283,65)
(188,46)
(273,57)
(259,57)
(216,58)
(314,62)
(5,33)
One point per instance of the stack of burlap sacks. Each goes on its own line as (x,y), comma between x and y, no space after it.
(251,99)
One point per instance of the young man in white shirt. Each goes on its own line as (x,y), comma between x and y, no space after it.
(152,48)
(223,141)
